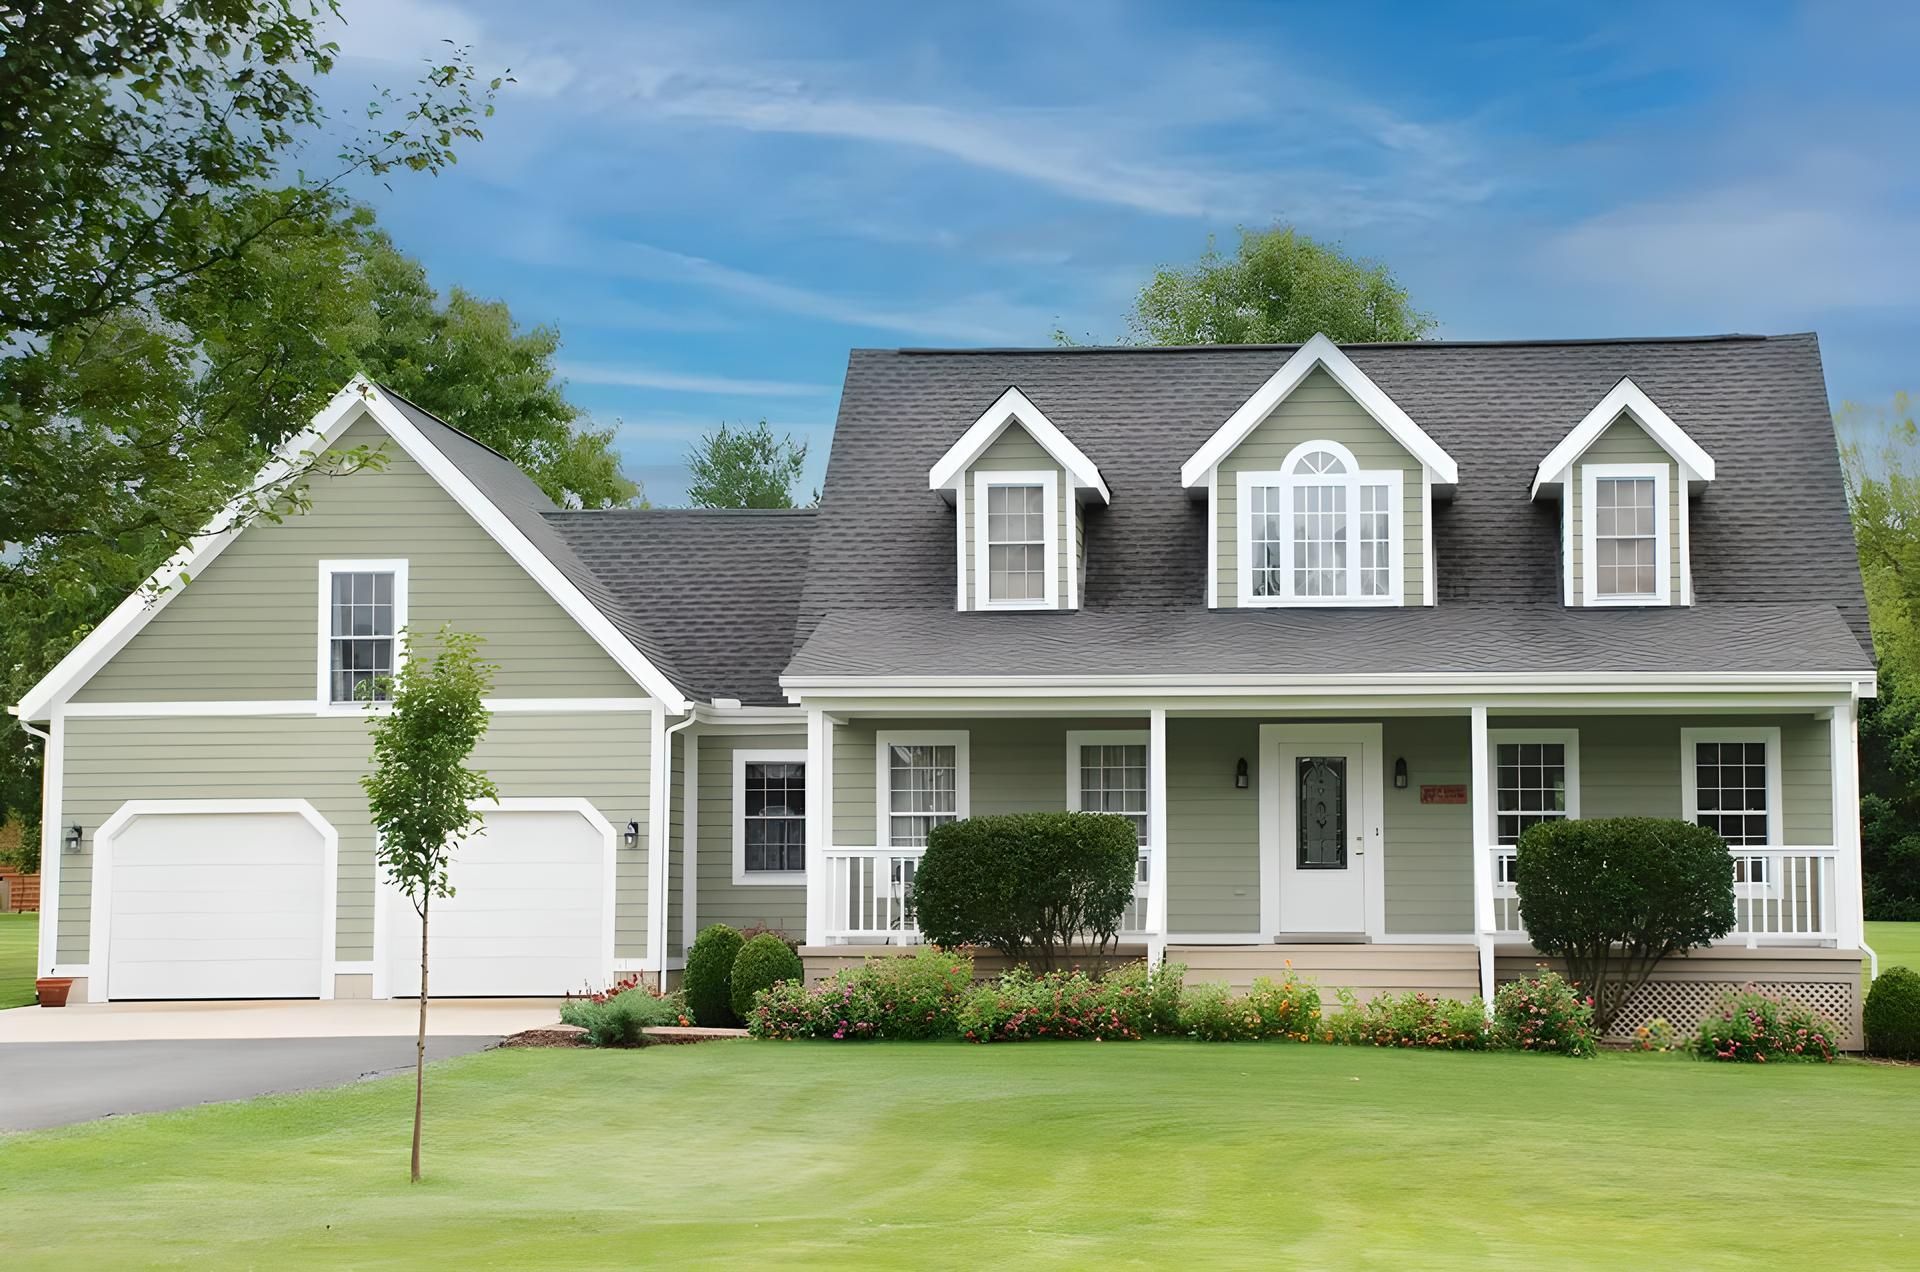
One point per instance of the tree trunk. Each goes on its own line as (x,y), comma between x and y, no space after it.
(420,1041)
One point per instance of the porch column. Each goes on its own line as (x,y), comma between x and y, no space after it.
(1482,831)
(819,820)
(1157,836)
(1850,902)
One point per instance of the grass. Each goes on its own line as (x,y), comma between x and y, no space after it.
(1897,944)
(1040,1155)
(18,932)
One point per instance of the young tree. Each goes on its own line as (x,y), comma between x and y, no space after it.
(1279,287)
(745,468)
(421,794)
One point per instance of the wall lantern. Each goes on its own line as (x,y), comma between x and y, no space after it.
(1240,774)
(632,836)
(1400,774)
(74,834)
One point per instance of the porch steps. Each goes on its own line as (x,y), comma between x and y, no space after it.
(1451,971)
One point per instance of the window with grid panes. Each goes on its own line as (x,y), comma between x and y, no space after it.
(922,792)
(774,815)
(1016,543)
(1625,541)
(361,637)
(1530,784)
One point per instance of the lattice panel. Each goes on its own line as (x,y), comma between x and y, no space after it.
(1686,1003)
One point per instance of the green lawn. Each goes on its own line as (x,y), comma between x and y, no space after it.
(17,935)
(1897,944)
(1040,1155)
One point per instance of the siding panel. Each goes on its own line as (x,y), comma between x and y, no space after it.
(720,900)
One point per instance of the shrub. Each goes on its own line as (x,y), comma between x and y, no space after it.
(1286,1009)
(707,981)
(1755,1028)
(1614,896)
(1212,1014)
(1156,994)
(1027,884)
(617,1017)
(1544,1013)
(1023,1007)
(764,961)
(1892,1015)
(1657,1034)
(898,997)
(1410,1020)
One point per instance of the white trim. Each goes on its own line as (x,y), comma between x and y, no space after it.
(1590,477)
(1048,481)
(1626,398)
(1213,538)
(52,826)
(323,688)
(659,791)
(306,707)
(100,917)
(353,967)
(133,613)
(1428,584)
(962,582)
(1843,742)
(1569,588)
(1012,406)
(1319,352)
(1568,738)
(1158,846)
(1077,738)
(690,842)
(819,817)
(885,739)
(742,877)
(74,970)
(1690,779)
(1371,806)
(1685,511)
(787,717)
(1352,480)
(1072,548)
(1480,817)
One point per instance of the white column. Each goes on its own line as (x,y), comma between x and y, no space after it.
(819,821)
(659,815)
(1850,901)
(1157,836)
(53,831)
(1482,830)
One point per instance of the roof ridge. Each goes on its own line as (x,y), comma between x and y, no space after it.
(704,512)
(437,418)
(1729,337)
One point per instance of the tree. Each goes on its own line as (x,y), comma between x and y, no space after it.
(1279,287)
(745,468)
(421,795)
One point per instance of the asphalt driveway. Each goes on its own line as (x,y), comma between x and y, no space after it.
(58,1083)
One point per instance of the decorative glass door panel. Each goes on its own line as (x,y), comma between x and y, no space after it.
(1321,812)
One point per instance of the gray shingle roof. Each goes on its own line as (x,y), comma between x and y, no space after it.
(1447,639)
(719,587)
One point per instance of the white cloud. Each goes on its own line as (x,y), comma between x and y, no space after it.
(402,32)
(638,377)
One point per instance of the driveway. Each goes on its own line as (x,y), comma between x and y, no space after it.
(73,1064)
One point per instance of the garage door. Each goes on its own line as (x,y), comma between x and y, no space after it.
(222,904)
(528,917)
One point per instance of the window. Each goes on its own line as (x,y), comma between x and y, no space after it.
(1016,540)
(1731,779)
(363,610)
(1320,532)
(769,816)
(922,782)
(1625,534)
(1536,778)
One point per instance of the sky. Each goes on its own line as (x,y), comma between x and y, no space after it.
(714,204)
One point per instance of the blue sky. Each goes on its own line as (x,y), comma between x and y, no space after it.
(713,206)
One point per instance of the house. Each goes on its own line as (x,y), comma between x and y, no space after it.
(1332,624)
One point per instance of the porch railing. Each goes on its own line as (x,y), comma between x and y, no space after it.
(1789,894)
(870,896)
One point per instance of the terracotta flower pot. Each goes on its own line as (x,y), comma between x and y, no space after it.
(52,990)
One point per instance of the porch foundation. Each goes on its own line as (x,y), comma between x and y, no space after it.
(1443,971)
(822,961)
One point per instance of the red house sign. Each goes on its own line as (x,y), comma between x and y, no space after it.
(1443,794)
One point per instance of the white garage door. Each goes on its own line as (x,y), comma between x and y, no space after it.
(527,918)
(215,905)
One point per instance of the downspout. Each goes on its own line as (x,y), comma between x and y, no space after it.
(660,870)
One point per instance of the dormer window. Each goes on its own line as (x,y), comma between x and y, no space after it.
(1016,559)
(1626,535)
(1320,531)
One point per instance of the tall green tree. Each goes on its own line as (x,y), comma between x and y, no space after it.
(1278,287)
(421,795)
(745,468)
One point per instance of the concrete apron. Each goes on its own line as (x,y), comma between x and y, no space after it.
(341,1018)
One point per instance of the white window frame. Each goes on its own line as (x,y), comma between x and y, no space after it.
(1769,735)
(760,878)
(1567,738)
(1353,479)
(1591,475)
(883,743)
(323,693)
(1049,483)
(1077,740)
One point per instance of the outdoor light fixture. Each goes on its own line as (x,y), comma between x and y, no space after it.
(1400,774)
(74,834)
(633,834)
(1240,774)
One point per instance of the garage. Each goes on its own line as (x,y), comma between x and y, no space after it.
(532,910)
(226,899)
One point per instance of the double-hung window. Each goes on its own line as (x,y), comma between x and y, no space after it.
(1320,531)
(363,613)
(1731,781)
(1625,535)
(923,783)
(1107,773)
(1535,778)
(1016,540)
(769,817)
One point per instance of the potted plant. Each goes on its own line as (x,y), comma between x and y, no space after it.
(52,990)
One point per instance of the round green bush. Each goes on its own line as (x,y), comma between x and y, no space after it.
(762,963)
(1892,1015)
(708,979)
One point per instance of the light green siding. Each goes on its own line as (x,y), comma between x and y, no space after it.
(720,900)
(1429,865)
(601,757)
(1623,442)
(1016,451)
(248,626)
(1319,409)
(1213,827)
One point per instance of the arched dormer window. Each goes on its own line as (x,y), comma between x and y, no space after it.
(1320,531)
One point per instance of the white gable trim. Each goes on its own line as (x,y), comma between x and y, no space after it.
(137,610)
(1319,352)
(1011,406)
(1625,397)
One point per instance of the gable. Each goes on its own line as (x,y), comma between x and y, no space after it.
(1625,441)
(1017,450)
(247,626)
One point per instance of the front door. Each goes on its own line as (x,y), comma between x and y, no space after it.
(1319,784)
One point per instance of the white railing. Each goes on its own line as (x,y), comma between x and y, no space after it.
(1134,921)
(1779,894)
(870,894)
